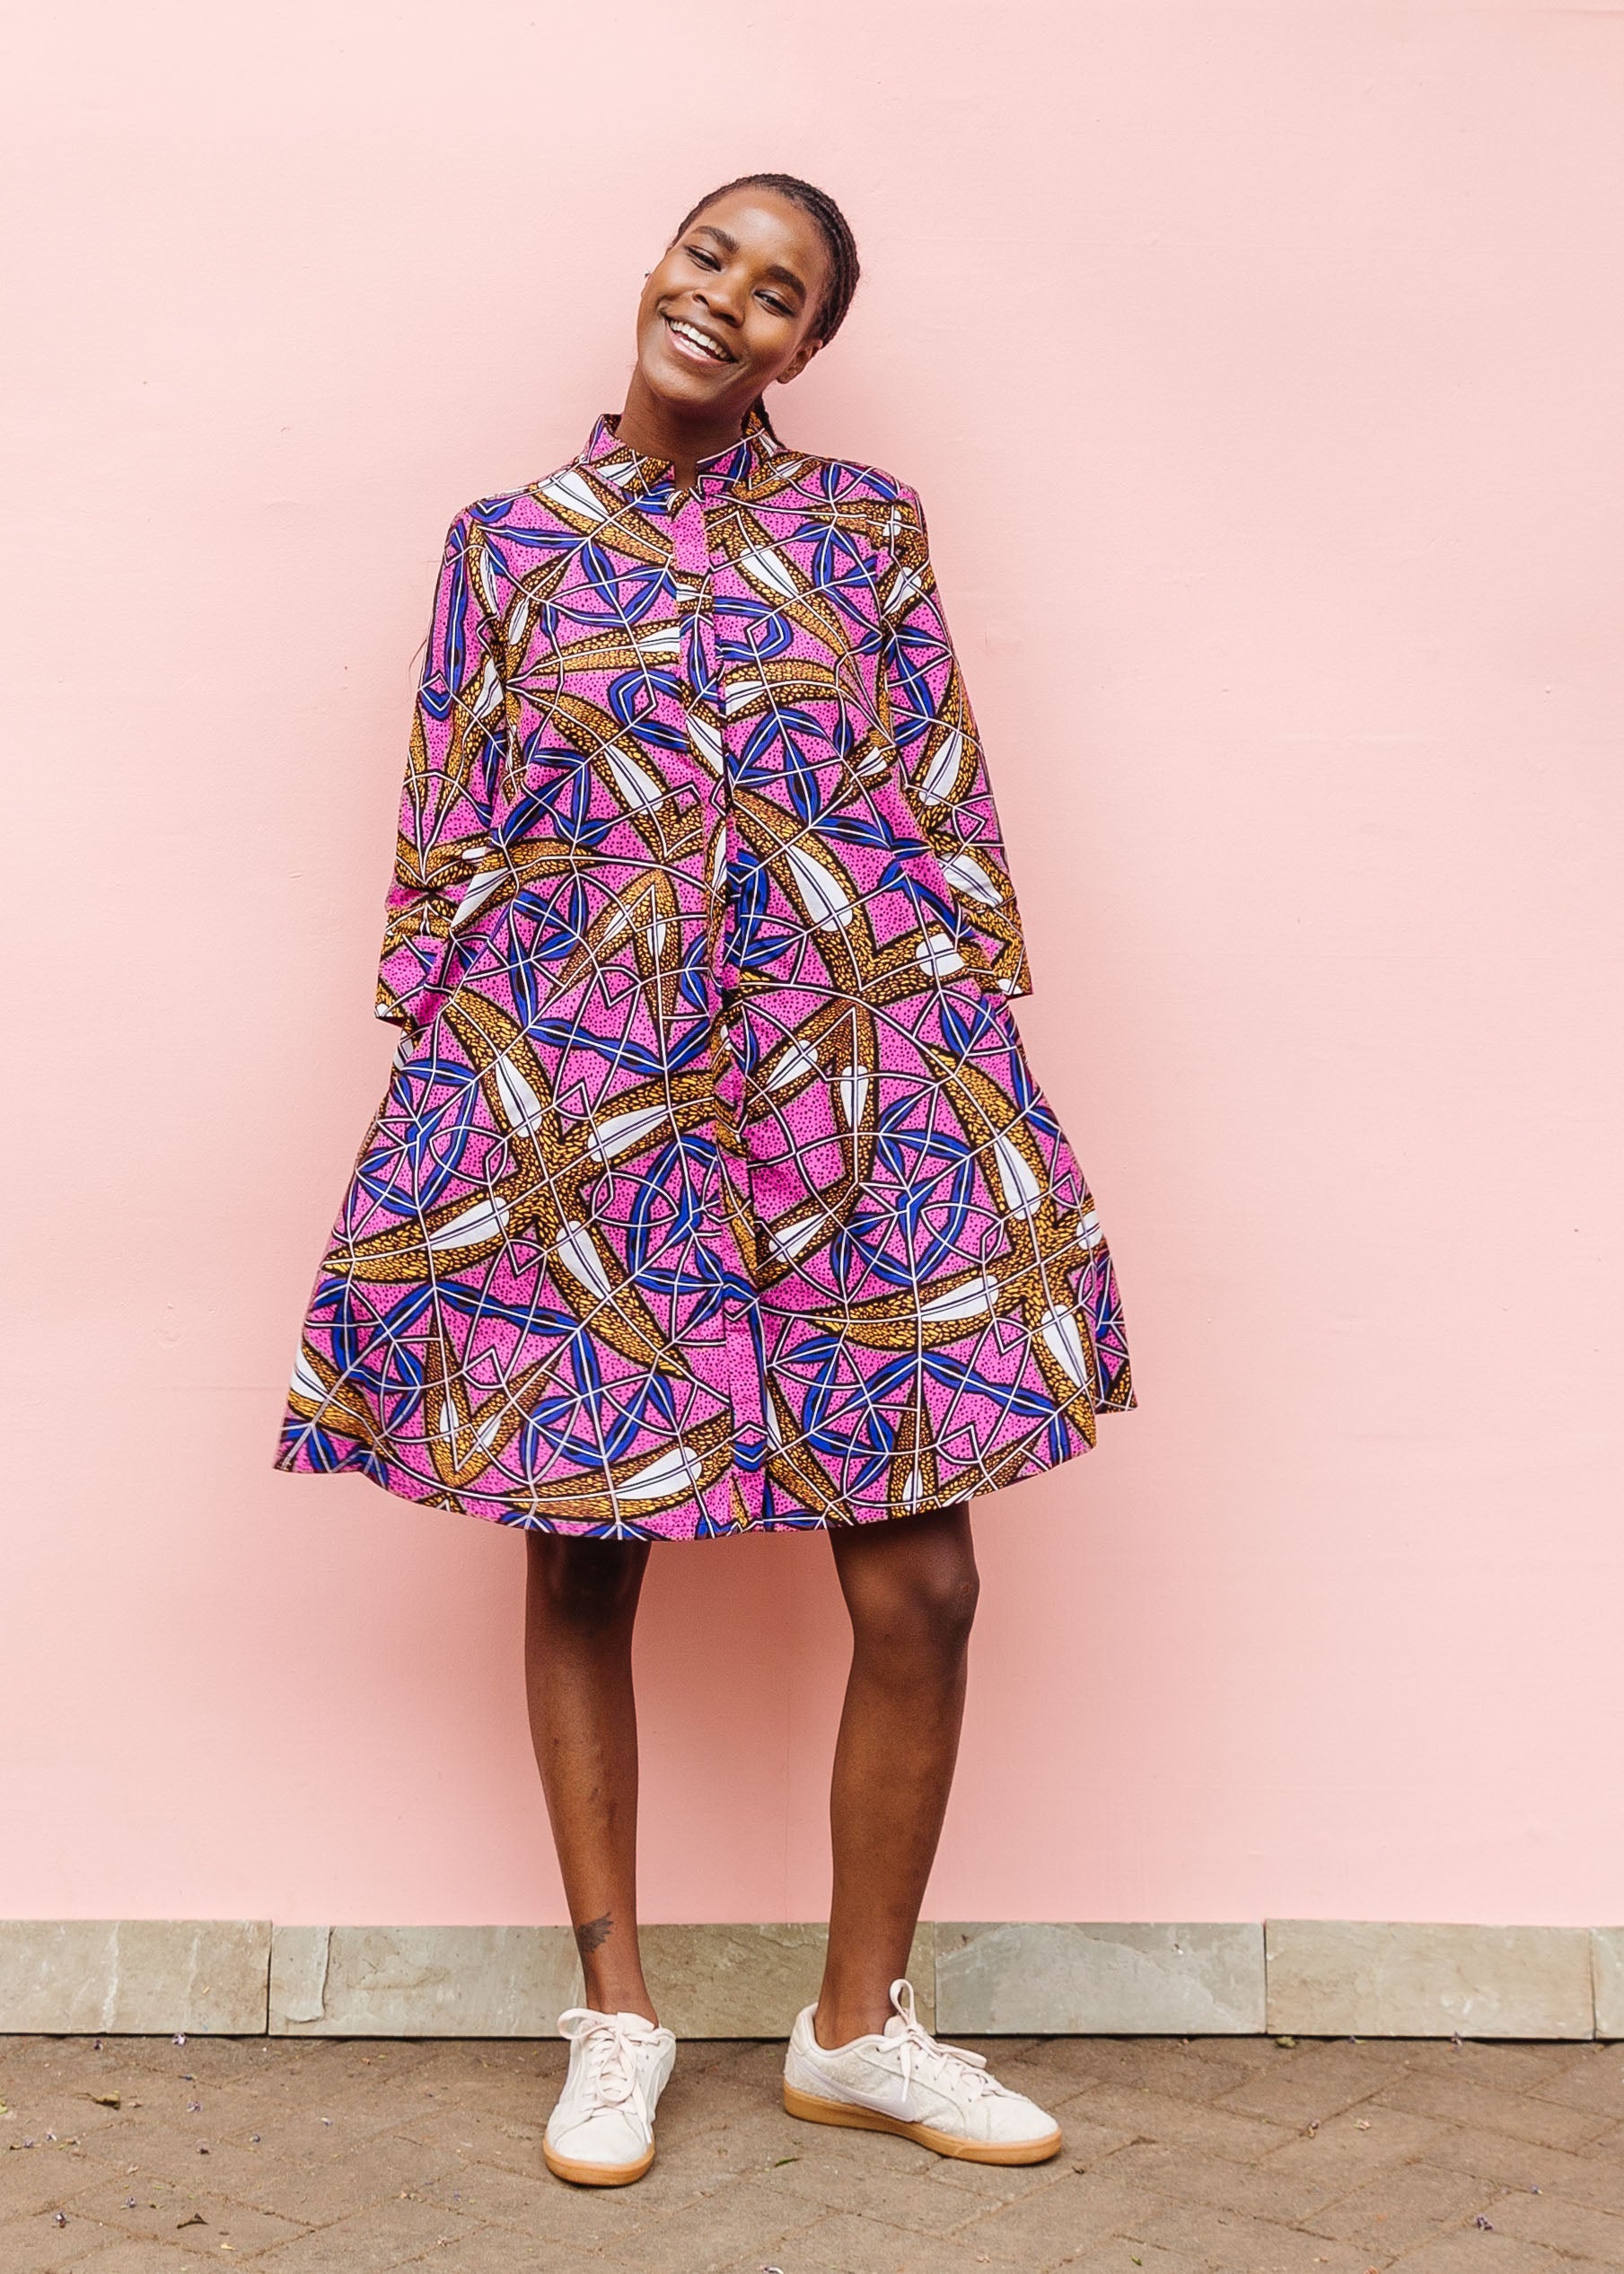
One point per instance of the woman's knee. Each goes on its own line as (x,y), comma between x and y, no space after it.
(925,1604)
(591,1583)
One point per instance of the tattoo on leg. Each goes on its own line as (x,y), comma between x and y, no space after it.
(595,1931)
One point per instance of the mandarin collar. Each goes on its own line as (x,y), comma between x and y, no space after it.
(637,472)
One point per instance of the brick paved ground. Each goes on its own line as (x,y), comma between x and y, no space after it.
(1238,2156)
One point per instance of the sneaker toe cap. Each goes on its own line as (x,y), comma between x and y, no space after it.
(605,2137)
(1013,2121)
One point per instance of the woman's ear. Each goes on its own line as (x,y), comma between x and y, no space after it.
(798,362)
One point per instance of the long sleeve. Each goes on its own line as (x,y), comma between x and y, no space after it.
(944,770)
(458,729)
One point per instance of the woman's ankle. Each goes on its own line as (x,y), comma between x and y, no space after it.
(608,1993)
(837,2020)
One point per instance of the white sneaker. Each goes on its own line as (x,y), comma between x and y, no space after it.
(602,2130)
(902,2081)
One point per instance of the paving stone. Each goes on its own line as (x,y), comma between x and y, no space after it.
(427,2059)
(1519,2067)
(38,2245)
(318,2191)
(846,2183)
(161,2097)
(846,2245)
(1127,2255)
(1148,2115)
(1082,2060)
(707,2237)
(278,2129)
(1472,2251)
(46,2177)
(1229,2243)
(1316,2082)
(475,2134)
(731,2091)
(867,2151)
(1593,2083)
(342,2079)
(526,2095)
(1192,2154)
(384,2235)
(1163,2064)
(1250,2053)
(1051,2222)
(988,2183)
(1260,2189)
(465,2247)
(1519,2114)
(1166,2064)
(138,2257)
(586,2218)
(739,2147)
(154,2210)
(210,2060)
(688,2165)
(1402,2208)
(231,2167)
(1584,2178)
(1344,2152)
(342,2076)
(1087,2143)
(41,2106)
(1573,2227)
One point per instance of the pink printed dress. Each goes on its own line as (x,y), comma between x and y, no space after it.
(711,1192)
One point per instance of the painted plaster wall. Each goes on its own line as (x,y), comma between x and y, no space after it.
(1260,367)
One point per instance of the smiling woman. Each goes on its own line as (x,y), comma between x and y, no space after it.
(712,1192)
(758,278)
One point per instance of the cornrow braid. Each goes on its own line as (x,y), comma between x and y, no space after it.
(832,226)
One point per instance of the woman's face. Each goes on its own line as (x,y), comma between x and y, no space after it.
(731,305)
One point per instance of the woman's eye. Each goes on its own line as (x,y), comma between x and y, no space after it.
(777,307)
(696,252)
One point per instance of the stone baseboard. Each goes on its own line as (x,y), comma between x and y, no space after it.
(513,1981)
(1020,1979)
(1302,1978)
(134,1977)
(1352,1979)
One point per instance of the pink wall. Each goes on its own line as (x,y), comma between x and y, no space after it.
(1302,322)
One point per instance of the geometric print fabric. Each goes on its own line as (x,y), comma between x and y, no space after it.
(711,1191)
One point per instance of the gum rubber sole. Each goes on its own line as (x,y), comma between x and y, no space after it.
(595,2174)
(964,2151)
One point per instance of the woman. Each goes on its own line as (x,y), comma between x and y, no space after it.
(711,1192)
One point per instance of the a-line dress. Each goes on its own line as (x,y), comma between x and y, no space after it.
(711,1192)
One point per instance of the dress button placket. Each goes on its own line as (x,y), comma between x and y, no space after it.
(693,566)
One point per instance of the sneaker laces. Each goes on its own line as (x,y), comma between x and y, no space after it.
(966,2071)
(607,2041)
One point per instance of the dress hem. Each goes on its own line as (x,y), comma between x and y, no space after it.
(369,1466)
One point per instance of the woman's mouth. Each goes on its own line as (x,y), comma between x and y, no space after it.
(697,346)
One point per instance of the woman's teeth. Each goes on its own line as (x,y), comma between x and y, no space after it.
(698,339)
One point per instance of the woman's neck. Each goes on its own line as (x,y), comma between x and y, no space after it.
(648,423)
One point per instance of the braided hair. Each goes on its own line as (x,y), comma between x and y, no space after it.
(835,231)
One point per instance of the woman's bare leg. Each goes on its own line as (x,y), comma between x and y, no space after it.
(911,1586)
(580,1606)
